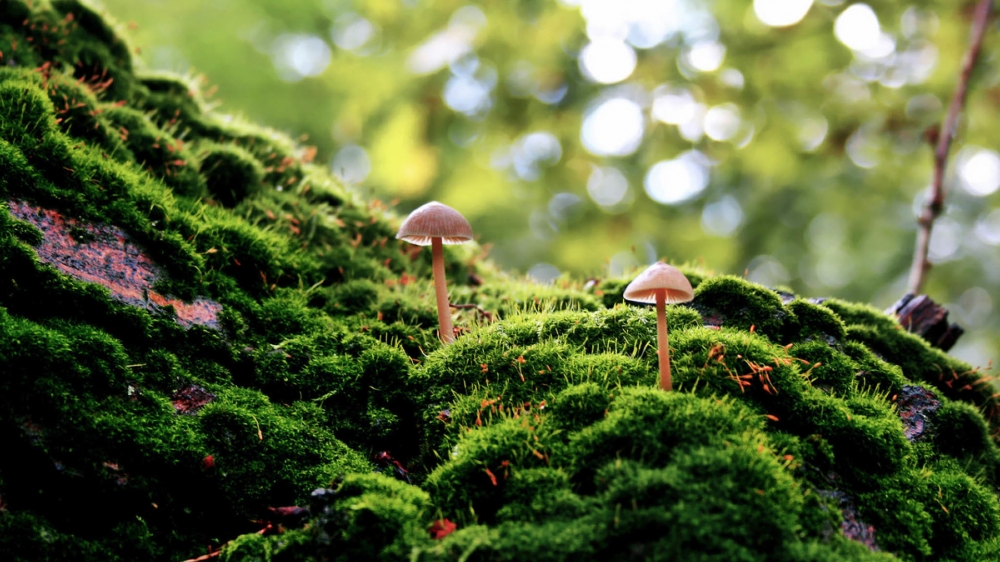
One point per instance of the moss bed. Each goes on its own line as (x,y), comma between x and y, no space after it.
(206,343)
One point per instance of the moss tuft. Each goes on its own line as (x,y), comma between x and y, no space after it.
(736,303)
(231,173)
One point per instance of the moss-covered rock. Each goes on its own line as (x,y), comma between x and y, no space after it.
(205,340)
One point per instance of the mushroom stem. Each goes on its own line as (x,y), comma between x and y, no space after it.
(662,348)
(447,334)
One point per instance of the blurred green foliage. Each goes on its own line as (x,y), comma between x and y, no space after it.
(804,159)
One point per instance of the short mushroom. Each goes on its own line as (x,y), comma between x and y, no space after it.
(660,284)
(432,225)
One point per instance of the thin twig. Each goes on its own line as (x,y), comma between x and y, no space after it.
(486,313)
(935,203)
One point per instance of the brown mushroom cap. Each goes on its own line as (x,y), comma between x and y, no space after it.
(435,220)
(660,276)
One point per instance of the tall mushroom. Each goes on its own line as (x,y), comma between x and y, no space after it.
(660,284)
(432,225)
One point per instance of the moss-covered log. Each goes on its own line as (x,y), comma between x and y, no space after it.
(205,340)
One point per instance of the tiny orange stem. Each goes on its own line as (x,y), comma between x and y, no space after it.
(661,339)
(447,334)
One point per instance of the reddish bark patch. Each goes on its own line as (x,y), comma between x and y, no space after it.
(190,399)
(292,516)
(856,529)
(922,316)
(103,254)
(852,527)
(916,403)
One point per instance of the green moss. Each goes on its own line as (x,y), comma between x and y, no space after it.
(231,173)
(540,432)
(968,512)
(666,509)
(473,483)
(873,371)
(736,303)
(540,494)
(353,297)
(580,405)
(829,369)
(514,298)
(365,517)
(860,314)
(99,32)
(26,538)
(160,154)
(81,116)
(960,432)
(650,426)
(250,474)
(26,113)
(813,322)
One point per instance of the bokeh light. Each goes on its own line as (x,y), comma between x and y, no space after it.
(544,272)
(351,164)
(857,27)
(454,42)
(946,239)
(987,228)
(781,13)
(722,122)
(469,95)
(675,181)
(532,151)
(300,56)
(622,263)
(564,206)
(768,271)
(607,61)
(705,56)
(812,133)
(643,23)
(863,147)
(608,187)
(613,128)
(352,32)
(974,307)
(826,232)
(722,218)
(979,170)
(674,106)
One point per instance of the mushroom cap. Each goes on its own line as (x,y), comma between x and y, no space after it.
(659,276)
(435,220)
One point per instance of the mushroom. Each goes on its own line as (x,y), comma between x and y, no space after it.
(432,225)
(660,284)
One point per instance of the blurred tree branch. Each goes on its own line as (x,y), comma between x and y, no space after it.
(935,202)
